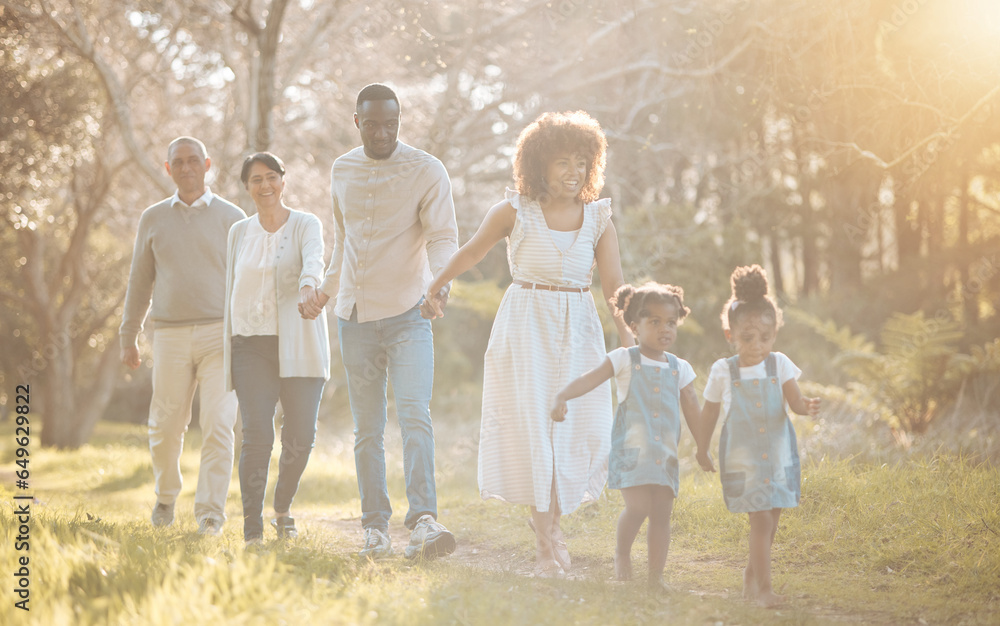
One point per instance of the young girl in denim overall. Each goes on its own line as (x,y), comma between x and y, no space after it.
(758,456)
(653,387)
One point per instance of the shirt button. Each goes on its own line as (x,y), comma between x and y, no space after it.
(758,404)
(368,219)
(362,264)
(761,430)
(764,456)
(370,195)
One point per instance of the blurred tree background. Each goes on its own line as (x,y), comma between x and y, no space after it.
(852,147)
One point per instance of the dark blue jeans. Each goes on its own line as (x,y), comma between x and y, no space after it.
(258,388)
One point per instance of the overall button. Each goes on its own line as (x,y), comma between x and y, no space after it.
(638,367)
(658,461)
(756,382)
(736,384)
(656,390)
(764,456)
(656,438)
(761,430)
(674,373)
(656,413)
(656,369)
(774,380)
(767,481)
(758,405)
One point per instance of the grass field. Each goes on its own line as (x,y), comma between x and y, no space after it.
(905,543)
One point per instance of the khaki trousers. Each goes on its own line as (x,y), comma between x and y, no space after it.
(185,357)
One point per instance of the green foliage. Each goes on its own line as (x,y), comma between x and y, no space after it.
(914,374)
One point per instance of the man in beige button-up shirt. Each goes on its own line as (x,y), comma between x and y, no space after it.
(394,226)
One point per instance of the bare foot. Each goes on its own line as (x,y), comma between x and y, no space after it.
(750,590)
(549,569)
(623,567)
(656,584)
(768,599)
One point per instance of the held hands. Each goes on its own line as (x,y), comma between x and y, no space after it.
(130,357)
(433,305)
(704,458)
(311,302)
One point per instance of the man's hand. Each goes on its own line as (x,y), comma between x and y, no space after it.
(311,301)
(130,357)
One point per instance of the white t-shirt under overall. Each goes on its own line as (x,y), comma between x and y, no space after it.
(622,364)
(720,389)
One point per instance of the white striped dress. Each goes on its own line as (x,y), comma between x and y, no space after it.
(540,341)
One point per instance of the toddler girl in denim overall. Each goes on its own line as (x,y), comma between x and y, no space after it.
(653,387)
(758,456)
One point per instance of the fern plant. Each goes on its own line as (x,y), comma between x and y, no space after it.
(915,372)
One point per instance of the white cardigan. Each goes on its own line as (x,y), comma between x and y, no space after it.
(303,345)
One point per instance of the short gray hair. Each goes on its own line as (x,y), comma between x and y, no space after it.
(189,140)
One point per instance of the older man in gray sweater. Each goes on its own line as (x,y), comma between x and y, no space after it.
(179,264)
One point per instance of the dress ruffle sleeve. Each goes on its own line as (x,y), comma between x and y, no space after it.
(603,207)
(517,232)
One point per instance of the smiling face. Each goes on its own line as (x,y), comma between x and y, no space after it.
(656,329)
(378,121)
(187,166)
(753,337)
(565,176)
(265,186)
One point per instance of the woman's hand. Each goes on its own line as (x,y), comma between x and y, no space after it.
(433,305)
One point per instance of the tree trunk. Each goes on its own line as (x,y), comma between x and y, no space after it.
(970,301)
(777,276)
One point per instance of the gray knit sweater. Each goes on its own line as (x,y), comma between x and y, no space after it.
(179,263)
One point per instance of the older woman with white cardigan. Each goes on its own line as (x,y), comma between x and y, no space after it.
(274,264)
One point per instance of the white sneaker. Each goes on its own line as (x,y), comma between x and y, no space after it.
(429,539)
(377,544)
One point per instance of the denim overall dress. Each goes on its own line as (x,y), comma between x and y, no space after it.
(647,427)
(758,456)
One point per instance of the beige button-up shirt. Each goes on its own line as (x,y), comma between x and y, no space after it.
(394,229)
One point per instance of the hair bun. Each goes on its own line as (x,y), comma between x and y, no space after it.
(622,296)
(749,283)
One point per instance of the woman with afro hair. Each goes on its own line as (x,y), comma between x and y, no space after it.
(547,331)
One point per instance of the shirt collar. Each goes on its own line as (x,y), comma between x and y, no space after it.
(204,200)
(400,147)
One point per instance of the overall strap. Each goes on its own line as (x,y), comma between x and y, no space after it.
(734,367)
(771,364)
(672,362)
(633,354)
